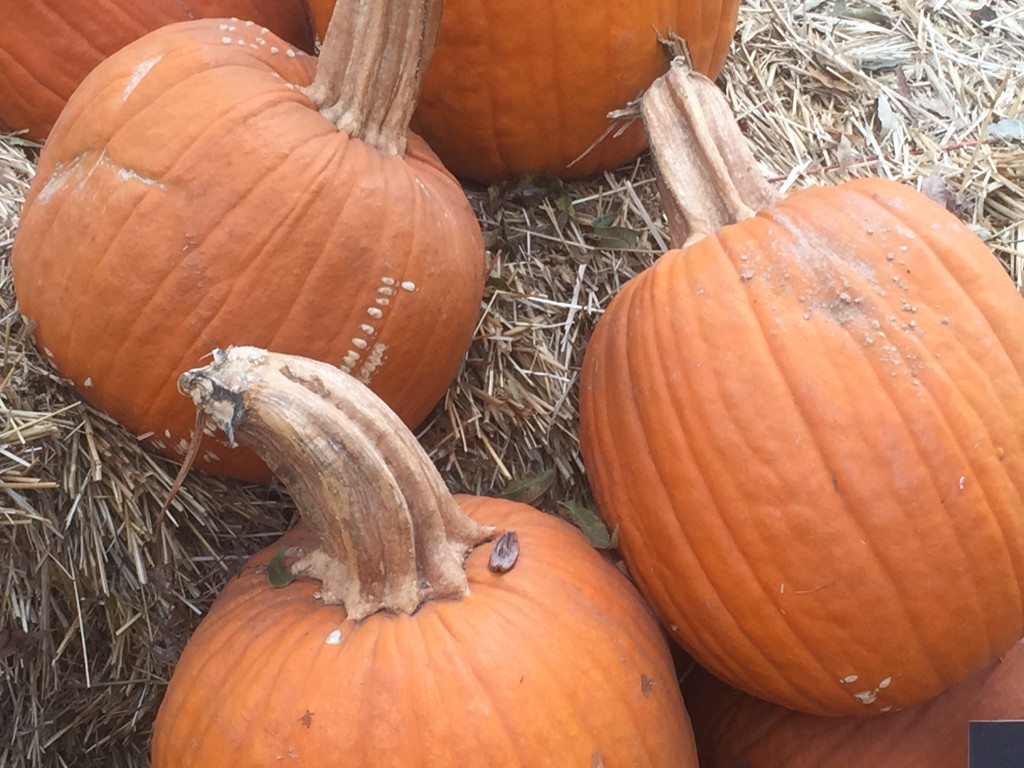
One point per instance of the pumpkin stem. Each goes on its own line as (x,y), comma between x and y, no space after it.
(707,175)
(371,65)
(391,535)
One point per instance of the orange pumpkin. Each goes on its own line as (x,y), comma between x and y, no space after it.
(194,194)
(47,47)
(733,729)
(526,86)
(406,640)
(807,424)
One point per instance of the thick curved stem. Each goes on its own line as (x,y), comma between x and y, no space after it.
(371,66)
(391,535)
(707,174)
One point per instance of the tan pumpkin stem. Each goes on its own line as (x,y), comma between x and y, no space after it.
(707,174)
(371,66)
(391,534)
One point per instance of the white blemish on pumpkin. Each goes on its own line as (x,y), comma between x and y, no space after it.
(382,301)
(139,72)
(348,363)
(273,50)
(248,23)
(388,280)
(167,434)
(241,42)
(386,290)
(373,363)
(673,627)
(127,174)
(222,27)
(849,679)
(226,40)
(359,343)
(210,456)
(264,30)
(962,482)
(261,41)
(375,313)
(290,53)
(181,447)
(866,697)
(885,709)
(885,683)
(233,28)
(369,330)
(333,637)
(408,285)
(88,382)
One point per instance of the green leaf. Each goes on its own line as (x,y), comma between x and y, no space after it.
(592,526)
(530,489)
(613,238)
(278,574)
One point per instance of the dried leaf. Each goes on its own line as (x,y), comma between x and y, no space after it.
(1008,130)
(530,489)
(15,641)
(592,526)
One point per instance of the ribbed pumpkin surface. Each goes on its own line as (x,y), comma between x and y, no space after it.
(47,47)
(734,729)
(556,663)
(526,86)
(809,430)
(190,197)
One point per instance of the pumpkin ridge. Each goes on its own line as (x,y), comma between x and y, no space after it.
(284,227)
(950,385)
(312,189)
(681,264)
(886,386)
(923,236)
(451,655)
(801,408)
(200,727)
(671,504)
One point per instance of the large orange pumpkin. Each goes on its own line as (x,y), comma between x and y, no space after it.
(192,194)
(413,644)
(47,47)
(733,729)
(807,425)
(519,87)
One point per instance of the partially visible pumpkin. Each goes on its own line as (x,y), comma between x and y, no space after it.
(733,729)
(405,640)
(519,87)
(807,425)
(240,204)
(47,47)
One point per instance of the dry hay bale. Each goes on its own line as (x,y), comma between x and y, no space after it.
(928,92)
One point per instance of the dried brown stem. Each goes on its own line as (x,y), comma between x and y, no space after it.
(706,172)
(371,66)
(391,535)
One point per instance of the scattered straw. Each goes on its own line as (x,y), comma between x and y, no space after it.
(91,622)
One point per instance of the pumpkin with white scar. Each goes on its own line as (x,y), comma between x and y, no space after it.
(202,189)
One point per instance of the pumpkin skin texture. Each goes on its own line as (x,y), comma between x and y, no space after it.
(47,48)
(253,221)
(735,729)
(484,681)
(398,645)
(515,88)
(808,428)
